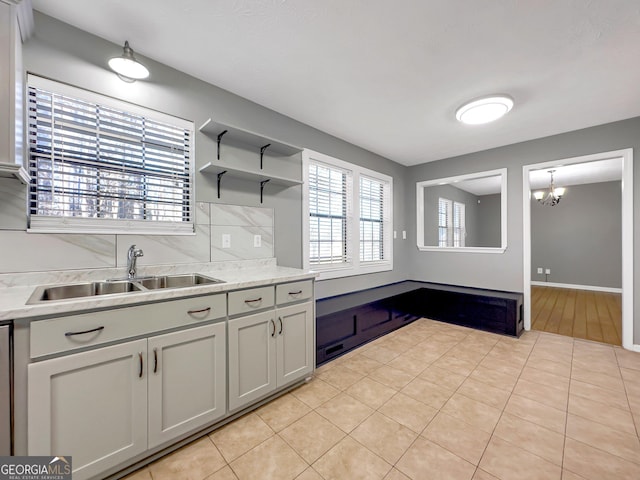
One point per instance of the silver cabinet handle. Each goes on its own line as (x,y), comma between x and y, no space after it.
(155,360)
(202,310)
(255,300)
(273,325)
(71,334)
(141,365)
(280,320)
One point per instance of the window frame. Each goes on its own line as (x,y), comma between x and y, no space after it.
(84,225)
(353,265)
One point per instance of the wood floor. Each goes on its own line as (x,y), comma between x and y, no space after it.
(577,313)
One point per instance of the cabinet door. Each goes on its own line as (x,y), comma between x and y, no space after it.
(187,381)
(91,405)
(252,358)
(295,350)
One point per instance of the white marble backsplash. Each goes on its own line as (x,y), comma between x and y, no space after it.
(23,252)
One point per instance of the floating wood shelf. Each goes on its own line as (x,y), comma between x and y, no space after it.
(220,169)
(242,137)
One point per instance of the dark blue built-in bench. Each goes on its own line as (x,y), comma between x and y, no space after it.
(346,321)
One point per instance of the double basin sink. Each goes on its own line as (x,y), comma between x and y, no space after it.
(108,287)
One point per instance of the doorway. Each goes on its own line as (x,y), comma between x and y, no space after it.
(583,300)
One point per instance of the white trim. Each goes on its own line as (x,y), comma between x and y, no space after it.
(627,234)
(635,348)
(439,181)
(355,267)
(93,97)
(591,288)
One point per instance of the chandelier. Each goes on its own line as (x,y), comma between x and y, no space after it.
(553,196)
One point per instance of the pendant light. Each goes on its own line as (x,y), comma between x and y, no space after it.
(553,196)
(127,67)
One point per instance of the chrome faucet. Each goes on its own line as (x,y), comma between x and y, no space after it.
(132,256)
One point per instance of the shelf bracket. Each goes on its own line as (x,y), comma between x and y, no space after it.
(262,149)
(262,184)
(219,177)
(220,135)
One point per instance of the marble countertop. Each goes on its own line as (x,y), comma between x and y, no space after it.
(15,290)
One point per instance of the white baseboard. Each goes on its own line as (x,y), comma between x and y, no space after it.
(635,348)
(578,287)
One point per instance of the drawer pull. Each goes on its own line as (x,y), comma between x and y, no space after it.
(255,300)
(297,292)
(71,334)
(202,310)
(273,325)
(155,360)
(141,365)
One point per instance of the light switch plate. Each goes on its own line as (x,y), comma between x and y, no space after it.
(540,270)
(257,241)
(547,271)
(226,240)
(404,234)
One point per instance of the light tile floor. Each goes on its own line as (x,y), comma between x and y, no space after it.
(438,401)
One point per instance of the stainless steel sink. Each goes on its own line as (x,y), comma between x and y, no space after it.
(108,287)
(77,290)
(178,281)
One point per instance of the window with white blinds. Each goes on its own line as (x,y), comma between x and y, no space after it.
(329,211)
(445,212)
(372,219)
(451,223)
(100,165)
(347,217)
(459,229)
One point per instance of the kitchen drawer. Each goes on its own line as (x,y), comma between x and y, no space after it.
(251,300)
(62,334)
(294,292)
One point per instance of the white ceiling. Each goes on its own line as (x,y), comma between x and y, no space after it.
(578,174)
(388,75)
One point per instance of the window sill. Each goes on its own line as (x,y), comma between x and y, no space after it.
(463,249)
(331,273)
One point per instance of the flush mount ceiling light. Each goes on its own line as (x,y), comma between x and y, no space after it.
(553,196)
(127,67)
(484,110)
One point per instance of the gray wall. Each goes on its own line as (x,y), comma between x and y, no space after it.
(66,54)
(580,239)
(489,226)
(505,271)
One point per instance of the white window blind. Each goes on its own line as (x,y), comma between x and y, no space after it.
(329,213)
(373,216)
(459,229)
(347,217)
(451,223)
(101,165)
(445,208)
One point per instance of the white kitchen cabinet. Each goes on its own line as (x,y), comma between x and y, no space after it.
(252,358)
(267,351)
(90,405)
(187,381)
(105,406)
(295,345)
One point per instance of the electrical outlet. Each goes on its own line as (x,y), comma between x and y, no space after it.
(547,271)
(226,240)
(404,234)
(395,234)
(257,241)
(540,270)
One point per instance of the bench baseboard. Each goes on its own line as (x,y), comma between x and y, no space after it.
(347,321)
